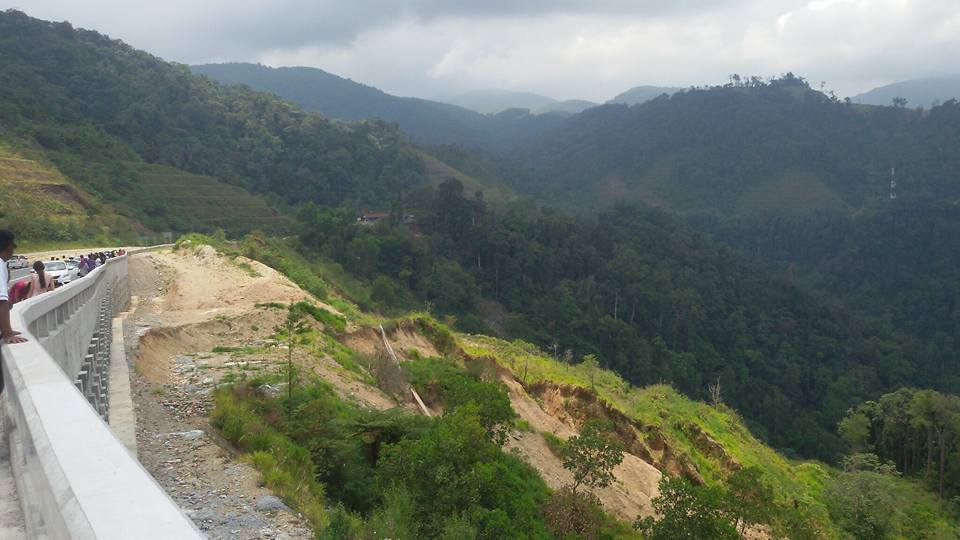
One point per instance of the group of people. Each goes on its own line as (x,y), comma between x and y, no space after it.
(39,281)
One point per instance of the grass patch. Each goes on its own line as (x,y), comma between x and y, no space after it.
(335,322)
(247,268)
(671,413)
(556,445)
(285,467)
(237,351)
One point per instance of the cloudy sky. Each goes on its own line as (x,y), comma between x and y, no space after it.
(589,49)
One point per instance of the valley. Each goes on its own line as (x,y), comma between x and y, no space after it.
(393,317)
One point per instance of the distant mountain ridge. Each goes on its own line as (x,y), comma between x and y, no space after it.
(918,92)
(426,121)
(493,101)
(642,94)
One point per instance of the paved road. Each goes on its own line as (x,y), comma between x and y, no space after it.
(19,273)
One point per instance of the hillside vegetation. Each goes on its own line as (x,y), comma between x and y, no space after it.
(96,105)
(180,201)
(47,207)
(714,150)
(426,121)
(652,299)
(706,446)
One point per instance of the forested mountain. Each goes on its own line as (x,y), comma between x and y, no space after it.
(425,121)
(748,148)
(653,299)
(800,182)
(100,108)
(650,296)
(569,106)
(917,92)
(493,101)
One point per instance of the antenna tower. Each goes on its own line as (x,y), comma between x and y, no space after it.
(893,182)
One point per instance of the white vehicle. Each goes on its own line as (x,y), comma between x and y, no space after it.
(17,262)
(60,272)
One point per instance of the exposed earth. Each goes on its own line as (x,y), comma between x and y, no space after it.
(186,305)
(193,301)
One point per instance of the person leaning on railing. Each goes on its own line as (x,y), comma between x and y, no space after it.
(7,333)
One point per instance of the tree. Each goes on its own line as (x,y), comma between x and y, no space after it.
(592,456)
(688,512)
(571,514)
(716,393)
(750,500)
(863,503)
(590,364)
(293,325)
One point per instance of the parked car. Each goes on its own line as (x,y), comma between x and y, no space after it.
(61,273)
(17,262)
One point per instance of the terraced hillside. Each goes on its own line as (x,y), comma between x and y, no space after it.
(39,202)
(184,201)
(438,172)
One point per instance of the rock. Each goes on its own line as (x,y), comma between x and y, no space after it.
(191,435)
(269,503)
(207,380)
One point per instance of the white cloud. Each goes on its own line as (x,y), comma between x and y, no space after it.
(563,48)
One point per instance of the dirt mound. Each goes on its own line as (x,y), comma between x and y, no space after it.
(201,285)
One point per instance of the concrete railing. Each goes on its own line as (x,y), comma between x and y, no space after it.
(75,479)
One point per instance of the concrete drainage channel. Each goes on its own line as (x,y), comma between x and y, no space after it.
(75,478)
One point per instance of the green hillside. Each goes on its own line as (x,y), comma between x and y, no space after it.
(428,122)
(185,201)
(707,445)
(732,150)
(713,440)
(97,102)
(43,206)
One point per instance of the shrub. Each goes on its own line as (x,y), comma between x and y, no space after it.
(592,455)
(571,514)
(457,388)
(688,512)
(284,466)
(335,322)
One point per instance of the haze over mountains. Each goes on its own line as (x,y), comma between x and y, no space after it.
(918,92)
(425,121)
(494,120)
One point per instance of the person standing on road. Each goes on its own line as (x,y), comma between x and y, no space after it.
(41,281)
(7,333)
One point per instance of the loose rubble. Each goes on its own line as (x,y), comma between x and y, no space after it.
(176,442)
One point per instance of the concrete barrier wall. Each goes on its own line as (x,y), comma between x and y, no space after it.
(76,480)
